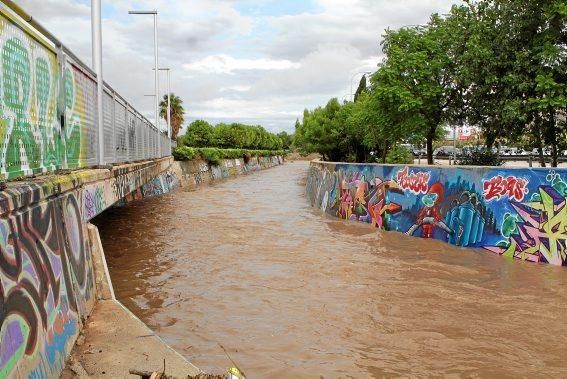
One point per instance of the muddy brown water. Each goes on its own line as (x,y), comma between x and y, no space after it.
(292,293)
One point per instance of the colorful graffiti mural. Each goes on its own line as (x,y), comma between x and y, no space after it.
(34,140)
(519,213)
(46,277)
(46,286)
(48,110)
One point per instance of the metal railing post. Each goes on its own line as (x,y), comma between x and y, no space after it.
(127,131)
(114,142)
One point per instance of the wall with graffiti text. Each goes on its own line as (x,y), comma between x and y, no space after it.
(47,284)
(519,213)
(48,110)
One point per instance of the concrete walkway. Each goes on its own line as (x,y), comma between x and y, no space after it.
(115,341)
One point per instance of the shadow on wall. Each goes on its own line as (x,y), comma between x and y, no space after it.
(520,213)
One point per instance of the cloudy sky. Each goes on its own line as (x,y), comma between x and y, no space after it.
(252,61)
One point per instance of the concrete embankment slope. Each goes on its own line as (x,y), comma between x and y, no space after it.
(515,212)
(115,341)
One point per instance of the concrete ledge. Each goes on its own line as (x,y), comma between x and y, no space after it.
(115,341)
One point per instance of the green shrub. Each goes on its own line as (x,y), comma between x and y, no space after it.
(184,153)
(215,156)
(399,155)
(211,155)
(479,157)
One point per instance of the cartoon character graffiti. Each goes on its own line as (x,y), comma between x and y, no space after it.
(378,207)
(346,202)
(365,201)
(430,217)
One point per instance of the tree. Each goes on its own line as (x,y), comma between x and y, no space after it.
(199,134)
(414,83)
(539,33)
(515,68)
(287,139)
(324,131)
(362,87)
(177,114)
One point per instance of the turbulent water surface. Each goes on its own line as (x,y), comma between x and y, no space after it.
(291,293)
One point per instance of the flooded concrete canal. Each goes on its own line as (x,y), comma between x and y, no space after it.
(293,293)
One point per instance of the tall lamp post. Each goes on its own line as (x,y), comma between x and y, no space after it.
(352,79)
(96,31)
(167,69)
(156,75)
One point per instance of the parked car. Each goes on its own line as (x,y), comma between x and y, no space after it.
(417,152)
(445,151)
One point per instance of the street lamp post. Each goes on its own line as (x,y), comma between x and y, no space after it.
(156,76)
(96,31)
(167,69)
(351,80)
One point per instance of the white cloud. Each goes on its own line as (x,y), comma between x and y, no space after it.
(232,65)
(236,89)
(225,64)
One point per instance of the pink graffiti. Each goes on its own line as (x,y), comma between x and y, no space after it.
(416,182)
(498,186)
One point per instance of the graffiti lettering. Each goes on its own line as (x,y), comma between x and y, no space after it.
(46,283)
(498,186)
(416,182)
(539,230)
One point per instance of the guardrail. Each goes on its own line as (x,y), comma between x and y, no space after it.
(530,158)
(48,107)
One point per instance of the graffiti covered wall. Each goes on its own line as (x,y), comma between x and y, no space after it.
(47,283)
(46,286)
(519,213)
(195,173)
(48,110)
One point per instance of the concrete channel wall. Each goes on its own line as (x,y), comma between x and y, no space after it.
(52,270)
(519,213)
(197,173)
(48,284)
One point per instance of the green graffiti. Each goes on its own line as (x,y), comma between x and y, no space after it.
(51,139)
(22,148)
(509,225)
(36,136)
(73,129)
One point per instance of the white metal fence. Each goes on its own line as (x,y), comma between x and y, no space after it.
(48,108)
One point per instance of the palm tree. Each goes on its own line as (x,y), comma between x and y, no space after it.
(177,113)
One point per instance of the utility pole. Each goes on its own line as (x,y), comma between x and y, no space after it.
(167,69)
